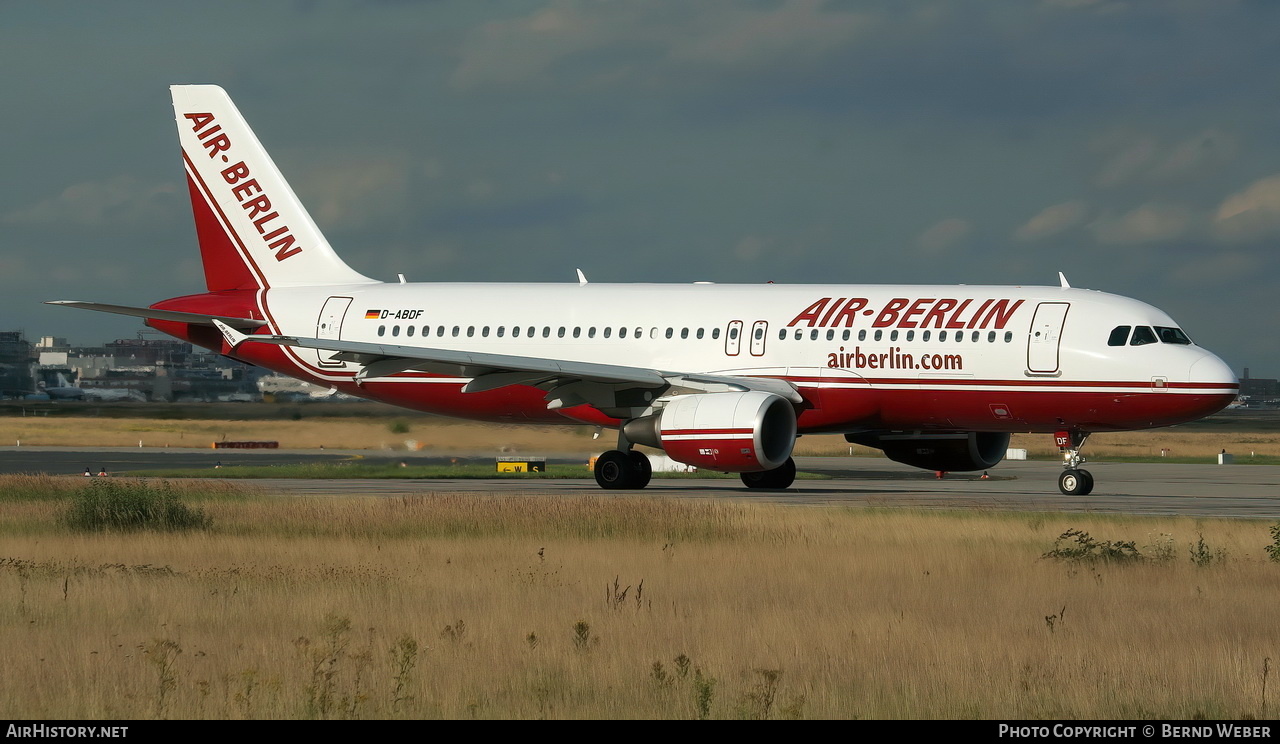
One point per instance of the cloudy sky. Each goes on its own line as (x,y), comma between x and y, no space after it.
(1132,144)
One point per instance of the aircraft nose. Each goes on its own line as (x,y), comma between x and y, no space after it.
(1211,369)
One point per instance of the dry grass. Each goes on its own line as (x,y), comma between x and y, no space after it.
(446,436)
(457,606)
(430,435)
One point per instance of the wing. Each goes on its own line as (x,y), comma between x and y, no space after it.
(612,388)
(147,312)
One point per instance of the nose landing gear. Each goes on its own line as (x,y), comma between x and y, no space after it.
(1074,480)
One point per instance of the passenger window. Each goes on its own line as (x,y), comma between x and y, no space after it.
(1172,335)
(991,337)
(893,335)
(546,332)
(925,336)
(577,332)
(684,333)
(1142,335)
(975,336)
(591,332)
(1119,335)
(456,330)
(845,336)
(699,333)
(382,330)
(862,335)
(515,331)
(911,335)
(799,334)
(813,335)
(622,332)
(409,331)
(715,333)
(759,334)
(395,330)
(485,331)
(733,333)
(670,332)
(560,332)
(879,335)
(501,330)
(782,334)
(1008,336)
(607,331)
(440,331)
(471,331)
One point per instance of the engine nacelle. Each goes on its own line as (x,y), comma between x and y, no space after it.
(731,432)
(974,450)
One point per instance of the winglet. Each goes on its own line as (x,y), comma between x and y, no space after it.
(582,278)
(233,337)
(1063,278)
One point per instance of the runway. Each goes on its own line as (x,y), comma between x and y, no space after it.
(1233,491)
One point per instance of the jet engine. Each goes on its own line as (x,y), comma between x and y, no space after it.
(745,432)
(960,451)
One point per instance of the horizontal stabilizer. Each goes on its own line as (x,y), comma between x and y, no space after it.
(172,315)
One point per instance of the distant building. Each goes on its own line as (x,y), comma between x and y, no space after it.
(17,362)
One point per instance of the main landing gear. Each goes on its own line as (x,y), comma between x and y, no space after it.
(1073,481)
(775,480)
(617,470)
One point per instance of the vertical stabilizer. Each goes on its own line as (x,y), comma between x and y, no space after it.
(252,229)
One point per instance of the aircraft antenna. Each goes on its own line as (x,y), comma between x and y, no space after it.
(1063,278)
(582,278)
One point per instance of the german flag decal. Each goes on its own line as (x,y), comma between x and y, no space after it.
(372,314)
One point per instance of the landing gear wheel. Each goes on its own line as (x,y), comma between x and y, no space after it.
(614,470)
(643,468)
(777,479)
(1075,482)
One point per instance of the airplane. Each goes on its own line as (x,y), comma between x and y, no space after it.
(722,377)
(64,390)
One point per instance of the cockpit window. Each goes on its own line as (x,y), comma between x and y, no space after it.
(1119,336)
(1172,335)
(1142,335)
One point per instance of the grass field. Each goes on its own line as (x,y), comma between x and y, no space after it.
(483,606)
(1250,440)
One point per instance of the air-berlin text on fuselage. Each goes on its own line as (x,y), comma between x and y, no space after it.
(247,192)
(905,312)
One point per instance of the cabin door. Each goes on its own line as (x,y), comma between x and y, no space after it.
(329,326)
(1044,337)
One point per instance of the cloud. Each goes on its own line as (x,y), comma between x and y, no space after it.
(1053,220)
(666,36)
(1249,214)
(123,200)
(1150,223)
(750,248)
(944,234)
(1145,158)
(353,191)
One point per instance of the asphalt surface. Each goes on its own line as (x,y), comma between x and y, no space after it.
(1249,491)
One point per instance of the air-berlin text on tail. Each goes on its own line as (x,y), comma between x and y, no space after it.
(246,191)
(904,312)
